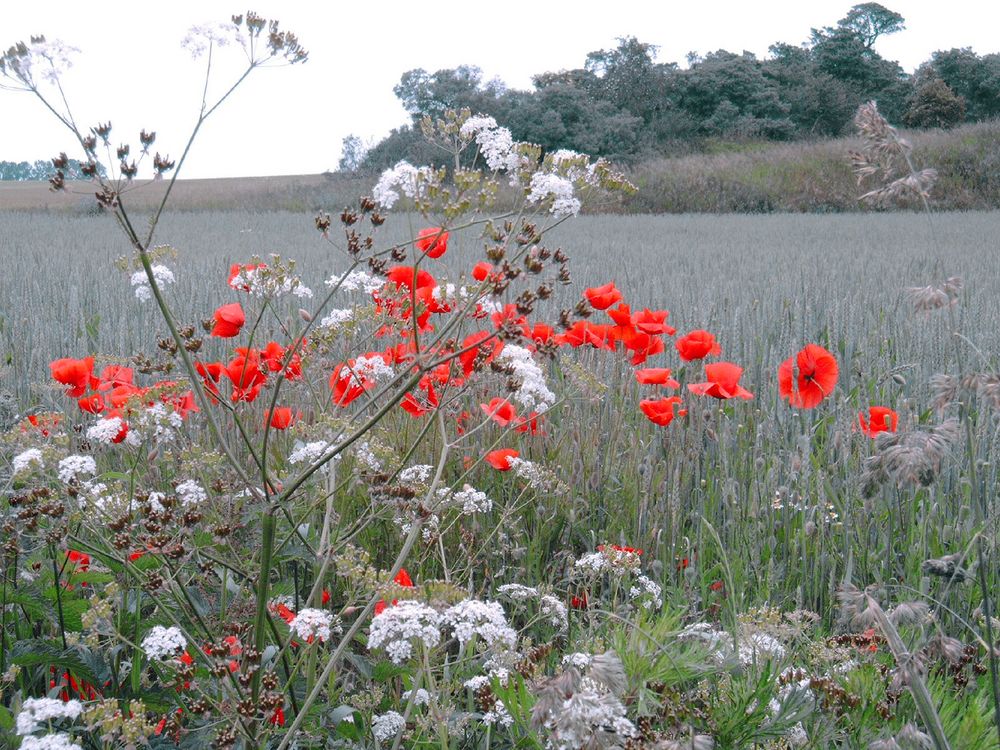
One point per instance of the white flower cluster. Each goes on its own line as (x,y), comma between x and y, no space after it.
(189,492)
(537,476)
(366,456)
(477,682)
(373,367)
(50,742)
(469,498)
(308,452)
(105,430)
(159,421)
(49,59)
(472,617)
(402,179)
(609,559)
(496,143)
(498,715)
(24,460)
(418,474)
(545,186)
(200,39)
(139,280)
(555,611)
(754,645)
(396,628)
(336,318)
(517,592)
(647,590)
(386,726)
(532,393)
(161,642)
(36,712)
(420,698)
(263,282)
(356,280)
(73,466)
(312,623)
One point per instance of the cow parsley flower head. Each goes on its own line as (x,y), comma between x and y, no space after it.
(45,61)
(355,281)
(139,280)
(386,726)
(472,617)
(161,642)
(532,393)
(312,624)
(189,492)
(50,742)
(336,318)
(23,461)
(106,430)
(545,186)
(35,712)
(402,179)
(417,474)
(398,628)
(73,466)
(199,39)
(308,452)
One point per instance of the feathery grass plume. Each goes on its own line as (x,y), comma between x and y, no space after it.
(944,390)
(909,459)
(855,612)
(907,738)
(947,567)
(909,613)
(935,296)
(886,158)
(944,648)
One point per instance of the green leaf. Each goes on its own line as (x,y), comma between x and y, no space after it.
(36,652)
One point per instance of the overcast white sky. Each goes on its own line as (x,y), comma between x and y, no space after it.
(131,69)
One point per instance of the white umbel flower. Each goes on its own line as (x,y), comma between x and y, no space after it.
(23,461)
(312,624)
(161,642)
(398,627)
(36,712)
(73,466)
(472,617)
(545,186)
(140,281)
(386,726)
(50,742)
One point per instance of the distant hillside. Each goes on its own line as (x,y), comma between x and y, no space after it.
(738,178)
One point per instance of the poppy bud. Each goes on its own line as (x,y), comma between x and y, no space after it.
(898,379)
(305,315)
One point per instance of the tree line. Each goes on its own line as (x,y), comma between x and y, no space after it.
(625,105)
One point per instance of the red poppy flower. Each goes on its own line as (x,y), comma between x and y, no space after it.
(418,406)
(402,276)
(656,376)
(229,319)
(697,345)
(808,377)
(583,332)
(643,346)
(483,354)
(113,376)
(278,719)
(603,297)
(662,411)
(482,270)
(540,333)
(528,424)
(92,404)
(579,602)
(723,382)
(281,419)
(432,242)
(653,322)
(274,357)
(501,459)
(244,371)
(500,410)
(78,374)
(880,419)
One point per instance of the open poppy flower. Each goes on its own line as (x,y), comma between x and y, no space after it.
(417,407)
(433,242)
(500,410)
(501,459)
(653,322)
(281,418)
(880,419)
(229,319)
(244,371)
(656,376)
(723,382)
(662,411)
(78,374)
(482,270)
(603,297)
(808,377)
(698,344)
(643,346)
(403,276)
(92,404)
(114,376)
